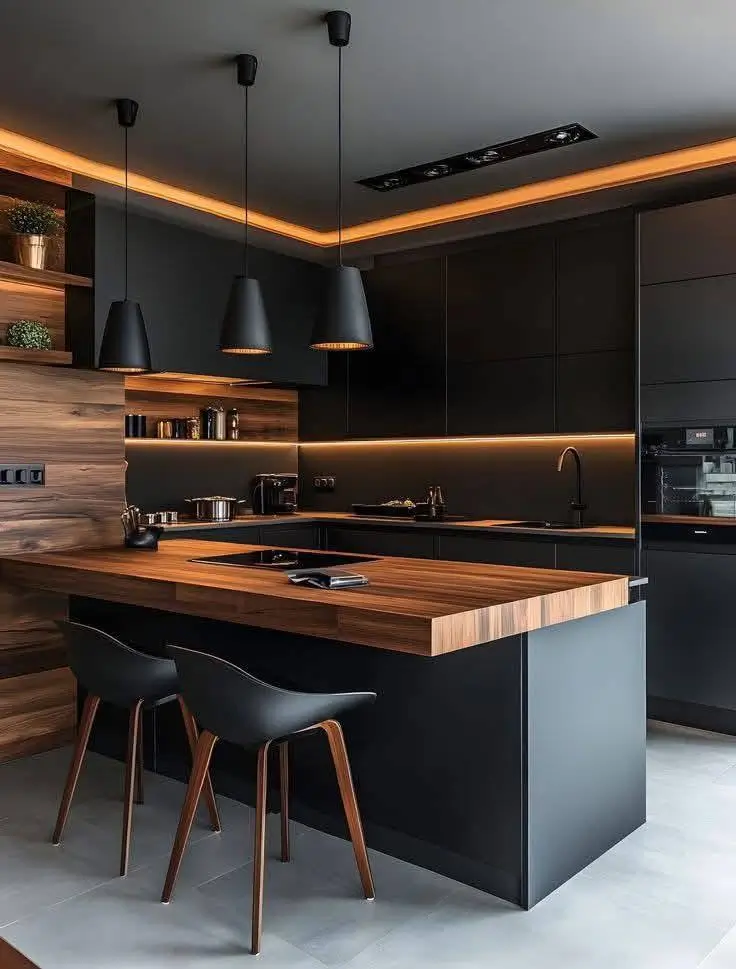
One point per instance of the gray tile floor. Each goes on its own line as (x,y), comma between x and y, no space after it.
(665,898)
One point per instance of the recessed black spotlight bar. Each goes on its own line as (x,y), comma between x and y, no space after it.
(569,134)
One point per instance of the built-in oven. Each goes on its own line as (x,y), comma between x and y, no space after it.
(688,483)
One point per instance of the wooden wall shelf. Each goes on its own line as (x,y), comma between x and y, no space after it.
(59,358)
(41,277)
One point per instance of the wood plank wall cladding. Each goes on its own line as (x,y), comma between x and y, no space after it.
(72,422)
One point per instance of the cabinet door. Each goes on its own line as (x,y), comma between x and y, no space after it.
(247,535)
(576,556)
(497,551)
(290,536)
(373,541)
(687,241)
(690,652)
(595,285)
(501,300)
(688,331)
(696,402)
(596,392)
(501,396)
(398,388)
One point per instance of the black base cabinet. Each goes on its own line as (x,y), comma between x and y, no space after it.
(497,551)
(577,556)
(402,542)
(298,535)
(691,666)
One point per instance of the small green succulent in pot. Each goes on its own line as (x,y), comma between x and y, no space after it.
(33,219)
(33,224)
(29,334)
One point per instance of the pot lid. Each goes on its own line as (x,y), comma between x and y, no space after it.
(213,498)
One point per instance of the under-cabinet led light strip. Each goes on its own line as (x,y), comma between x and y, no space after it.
(627,437)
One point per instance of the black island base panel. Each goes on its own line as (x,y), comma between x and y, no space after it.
(508,766)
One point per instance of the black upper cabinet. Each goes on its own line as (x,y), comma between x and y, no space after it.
(501,396)
(688,331)
(398,388)
(595,280)
(596,392)
(688,241)
(501,300)
(323,411)
(182,276)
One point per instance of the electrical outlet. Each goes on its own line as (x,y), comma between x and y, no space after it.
(22,475)
(324,482)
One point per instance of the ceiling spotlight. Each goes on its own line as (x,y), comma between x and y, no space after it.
(483,157)
(563,136)
(502,153)
(436,171)
(392,181)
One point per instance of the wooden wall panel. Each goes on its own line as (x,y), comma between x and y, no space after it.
(37,712)
(72,422)
(23,301)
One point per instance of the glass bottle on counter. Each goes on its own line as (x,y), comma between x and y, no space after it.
(193,429)
(233,424)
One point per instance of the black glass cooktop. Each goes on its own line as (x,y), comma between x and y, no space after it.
(283,559)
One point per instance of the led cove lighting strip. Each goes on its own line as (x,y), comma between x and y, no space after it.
(678,162)
(500,439)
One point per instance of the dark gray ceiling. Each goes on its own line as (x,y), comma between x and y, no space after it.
(424,78)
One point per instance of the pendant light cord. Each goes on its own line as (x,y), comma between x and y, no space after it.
(245,182)
(339,156)
(125,217)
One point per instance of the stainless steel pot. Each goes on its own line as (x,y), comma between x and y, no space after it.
(216,508)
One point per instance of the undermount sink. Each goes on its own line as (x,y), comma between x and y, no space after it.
(553,525)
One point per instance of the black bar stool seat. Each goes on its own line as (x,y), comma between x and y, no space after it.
(231,704)
(112,672)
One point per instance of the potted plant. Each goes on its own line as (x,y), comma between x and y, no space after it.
(29,334)
(33,224)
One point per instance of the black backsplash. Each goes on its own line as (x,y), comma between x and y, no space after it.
(162,475)
(482,480)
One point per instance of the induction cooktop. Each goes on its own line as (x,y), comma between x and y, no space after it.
(283,559)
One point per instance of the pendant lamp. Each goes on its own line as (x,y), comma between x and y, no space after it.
(125,342)
(245,325)
(343,323)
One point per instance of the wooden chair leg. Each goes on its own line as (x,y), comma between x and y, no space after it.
(349,802)
(259,852)
(139,762)
(202,756)
(130,772)
(190,726)
(89,710)
(284,788)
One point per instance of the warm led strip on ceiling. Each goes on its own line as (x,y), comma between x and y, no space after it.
(678,162)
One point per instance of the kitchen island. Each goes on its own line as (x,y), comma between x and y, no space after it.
(507,745)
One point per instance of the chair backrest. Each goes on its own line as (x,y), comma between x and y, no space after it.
(236,706)
(106,667)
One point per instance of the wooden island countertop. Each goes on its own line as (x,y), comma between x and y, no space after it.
(420,606)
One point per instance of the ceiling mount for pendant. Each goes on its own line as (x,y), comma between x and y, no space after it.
(124,347)
(245,328)
(344,323)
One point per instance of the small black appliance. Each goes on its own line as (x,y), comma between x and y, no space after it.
(274,494)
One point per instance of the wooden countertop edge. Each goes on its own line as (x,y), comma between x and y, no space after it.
(385,616)
(481,526)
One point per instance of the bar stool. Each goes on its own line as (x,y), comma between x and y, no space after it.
(232,705)
(115,673)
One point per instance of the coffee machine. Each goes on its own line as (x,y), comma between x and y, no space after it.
(274,494)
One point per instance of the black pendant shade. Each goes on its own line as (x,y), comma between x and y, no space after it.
(343,323)
(124,347)
(125,341)
(245,325)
